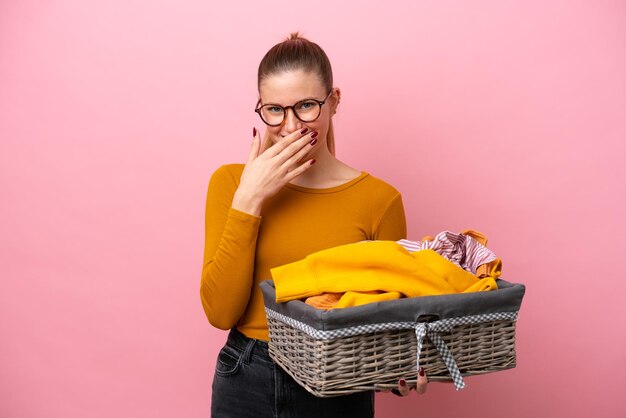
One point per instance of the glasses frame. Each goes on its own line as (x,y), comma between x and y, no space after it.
(293,108)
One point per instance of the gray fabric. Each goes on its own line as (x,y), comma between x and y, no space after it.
(507,298)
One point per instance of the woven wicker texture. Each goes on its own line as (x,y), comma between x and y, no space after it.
(377,360)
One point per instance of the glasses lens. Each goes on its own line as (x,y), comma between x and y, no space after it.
(272,115)
(308,110)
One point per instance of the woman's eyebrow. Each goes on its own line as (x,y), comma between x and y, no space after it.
(301,100)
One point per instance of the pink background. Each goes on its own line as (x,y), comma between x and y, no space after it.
(505,117)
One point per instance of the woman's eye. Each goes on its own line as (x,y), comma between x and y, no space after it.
(306,105)
(274,109)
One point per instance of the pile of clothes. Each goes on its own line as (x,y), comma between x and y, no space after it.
(377,271)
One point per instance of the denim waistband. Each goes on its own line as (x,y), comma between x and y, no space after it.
(253,346)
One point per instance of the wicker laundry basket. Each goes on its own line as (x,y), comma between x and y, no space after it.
(368,347)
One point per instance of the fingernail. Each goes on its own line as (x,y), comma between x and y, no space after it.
(312,162)
(314,134)
(304,130)
(421,371)
(253,132)
(402,382)
(313,141)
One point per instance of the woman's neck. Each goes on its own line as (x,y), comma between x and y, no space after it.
(327,171)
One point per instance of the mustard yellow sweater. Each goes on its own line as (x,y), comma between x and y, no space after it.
(374,265)
(240,249)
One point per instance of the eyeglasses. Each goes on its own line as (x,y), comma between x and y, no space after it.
(307,110)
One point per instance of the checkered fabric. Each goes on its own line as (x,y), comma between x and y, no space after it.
(432,330)
(422,329)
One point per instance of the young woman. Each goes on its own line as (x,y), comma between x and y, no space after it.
(293,197)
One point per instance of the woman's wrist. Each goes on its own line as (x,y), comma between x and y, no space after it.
(246,203)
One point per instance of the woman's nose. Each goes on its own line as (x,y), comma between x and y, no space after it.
(291,122)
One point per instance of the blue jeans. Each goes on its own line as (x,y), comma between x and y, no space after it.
(247,383)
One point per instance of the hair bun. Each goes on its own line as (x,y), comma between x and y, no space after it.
(294,36)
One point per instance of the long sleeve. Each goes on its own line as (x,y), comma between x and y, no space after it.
(229,252)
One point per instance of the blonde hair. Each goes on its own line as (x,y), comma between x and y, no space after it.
(298,53)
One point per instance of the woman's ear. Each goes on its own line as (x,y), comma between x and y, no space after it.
(336,96)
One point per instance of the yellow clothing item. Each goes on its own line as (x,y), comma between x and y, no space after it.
(493,269)
(374,266)
(325,300)
(240,249)
(361,298)
(342,300)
